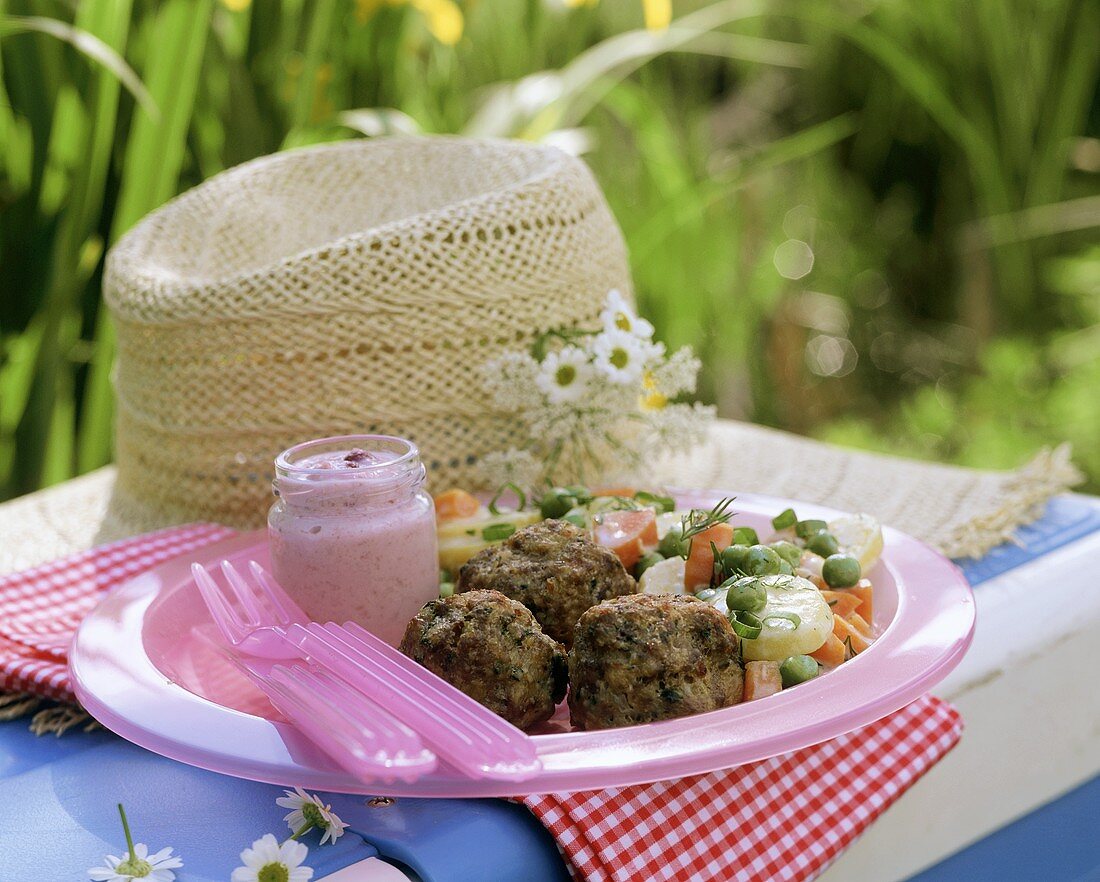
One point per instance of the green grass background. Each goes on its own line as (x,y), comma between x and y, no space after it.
(876,221)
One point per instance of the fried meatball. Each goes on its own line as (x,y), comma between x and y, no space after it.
(491,648)
(651,657)
(554,570)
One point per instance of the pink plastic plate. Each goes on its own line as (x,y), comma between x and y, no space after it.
(146,664)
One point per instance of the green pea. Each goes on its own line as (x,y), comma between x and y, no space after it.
(746,594)
(797,669)
(785,569)
(785,519)
(762,561)
(806,529)
(555,502)
(790,552)
(840,571)
(446,589)
(745,536)
(673,544)
(646,562)
(733,559)
(824,544)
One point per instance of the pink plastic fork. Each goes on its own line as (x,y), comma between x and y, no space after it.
(349,728)
(468,735)
(353,730)
(472,739)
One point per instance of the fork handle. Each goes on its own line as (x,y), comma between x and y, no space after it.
(469,736)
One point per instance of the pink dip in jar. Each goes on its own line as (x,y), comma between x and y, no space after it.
(353,531)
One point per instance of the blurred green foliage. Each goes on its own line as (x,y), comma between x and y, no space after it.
(876,221)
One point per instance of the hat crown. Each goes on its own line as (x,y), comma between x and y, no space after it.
(348,288)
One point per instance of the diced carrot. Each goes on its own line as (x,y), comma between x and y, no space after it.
(844,630)
(863,590)
(453,504)
(762,679)
(831,652)
(700,562)
(859,623)
(841,602)
(627,533)
(614,491)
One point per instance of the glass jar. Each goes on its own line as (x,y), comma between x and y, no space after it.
(353,531)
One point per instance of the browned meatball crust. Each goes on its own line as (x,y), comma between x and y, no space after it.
(652,657)
(553,569)
(491,648)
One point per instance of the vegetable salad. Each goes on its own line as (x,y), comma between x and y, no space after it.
(798,599)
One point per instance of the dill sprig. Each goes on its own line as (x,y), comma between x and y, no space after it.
(698,521)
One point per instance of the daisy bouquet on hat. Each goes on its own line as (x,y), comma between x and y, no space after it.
(592,403)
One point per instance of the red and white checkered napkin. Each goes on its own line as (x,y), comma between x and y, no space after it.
(782,819)
(786,818)
(40,608)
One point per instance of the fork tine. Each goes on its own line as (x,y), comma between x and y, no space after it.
(225,617)
(277,596)
(246,596)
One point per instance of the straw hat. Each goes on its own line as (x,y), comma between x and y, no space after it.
(356,287)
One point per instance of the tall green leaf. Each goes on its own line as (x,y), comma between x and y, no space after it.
(153,159)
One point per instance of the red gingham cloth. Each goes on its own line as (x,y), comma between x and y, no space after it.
(41,607)
(786,818)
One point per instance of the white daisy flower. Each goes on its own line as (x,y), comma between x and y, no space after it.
(137,863)
(564,374)
(622,357)
(619,315)
(309,813)
(151,867)
(267,861)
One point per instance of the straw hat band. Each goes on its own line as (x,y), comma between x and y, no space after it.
(350,288)
(226,476)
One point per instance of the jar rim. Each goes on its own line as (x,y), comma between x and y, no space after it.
(285,464)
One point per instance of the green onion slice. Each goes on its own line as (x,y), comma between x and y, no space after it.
(664,504)
(806,529)
(745,624)
(785,519)
(793,618)
(496,532)
(521,497)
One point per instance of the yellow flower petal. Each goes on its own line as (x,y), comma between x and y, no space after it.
(658,14)
(443,17)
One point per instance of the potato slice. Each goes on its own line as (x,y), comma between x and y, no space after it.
(859,535)
(460,540)
(666,577)
(780,637)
